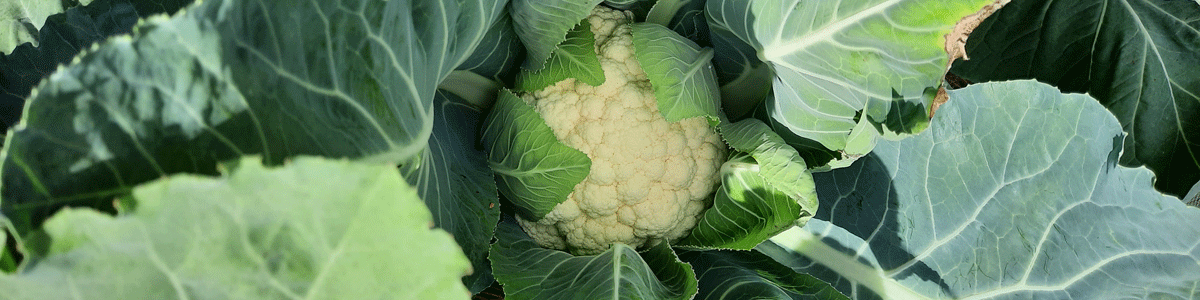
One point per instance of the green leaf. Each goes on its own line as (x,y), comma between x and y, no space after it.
(453,179)
(780,165)
(816,157)
(1013,192)
(528,271)
(680,71)
(20,21)
(575,58)
(496,57)
(726,274)
(314,229)
(533,169)
(342,78)
(1137,58)
(765,189)
(664,11)
(831,57)
(492,66)
(543,25)
(8,263)
(745,80)
(685,17)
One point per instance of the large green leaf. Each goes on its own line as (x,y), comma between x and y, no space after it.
(315,229)
(765,189)
(575,58)
(345,78)
(1137,57)
(533,169)
(543,25)
(725,274)
(1013,192)
(529,271)
(453,179)
(831,58)
(680,72)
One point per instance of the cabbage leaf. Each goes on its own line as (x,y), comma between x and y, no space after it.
(765,189)
(1138,58)
(225,79)
(529,271)
(314,229)
(1013,192)
(830,59)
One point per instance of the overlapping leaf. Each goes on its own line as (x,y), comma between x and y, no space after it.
(725,274)
(575,58)
(543,25)
(529,271)
(765,189)
(1136,57)
(1013,192)
(61,38)
(453,179)
(533,169)
(680,72)
(347,78)
(830,58)
(315,229)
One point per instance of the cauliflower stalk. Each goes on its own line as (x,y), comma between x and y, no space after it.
(650,179)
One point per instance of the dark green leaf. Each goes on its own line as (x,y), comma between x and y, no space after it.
(453,179)
(344,78)
(528,271)
(1139,58)
(725,274)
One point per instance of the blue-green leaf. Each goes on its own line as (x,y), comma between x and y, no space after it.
(1014,192)
(454,180)
(830,58)
(1138,58)
(680,71)
(314,229)
(533,169)
(726,274)
(528,271)
(339,78)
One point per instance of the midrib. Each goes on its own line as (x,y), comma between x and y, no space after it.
(774,53)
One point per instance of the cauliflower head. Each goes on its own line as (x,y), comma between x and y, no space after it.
(650,179)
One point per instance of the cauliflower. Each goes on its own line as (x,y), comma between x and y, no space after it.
(650,179)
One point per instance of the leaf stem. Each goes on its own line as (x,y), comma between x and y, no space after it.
(870,277)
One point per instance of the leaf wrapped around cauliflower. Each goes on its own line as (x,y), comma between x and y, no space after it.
(648,179)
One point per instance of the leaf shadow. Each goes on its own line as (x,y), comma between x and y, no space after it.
(862,200)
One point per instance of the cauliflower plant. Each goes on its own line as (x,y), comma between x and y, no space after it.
(650,179)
